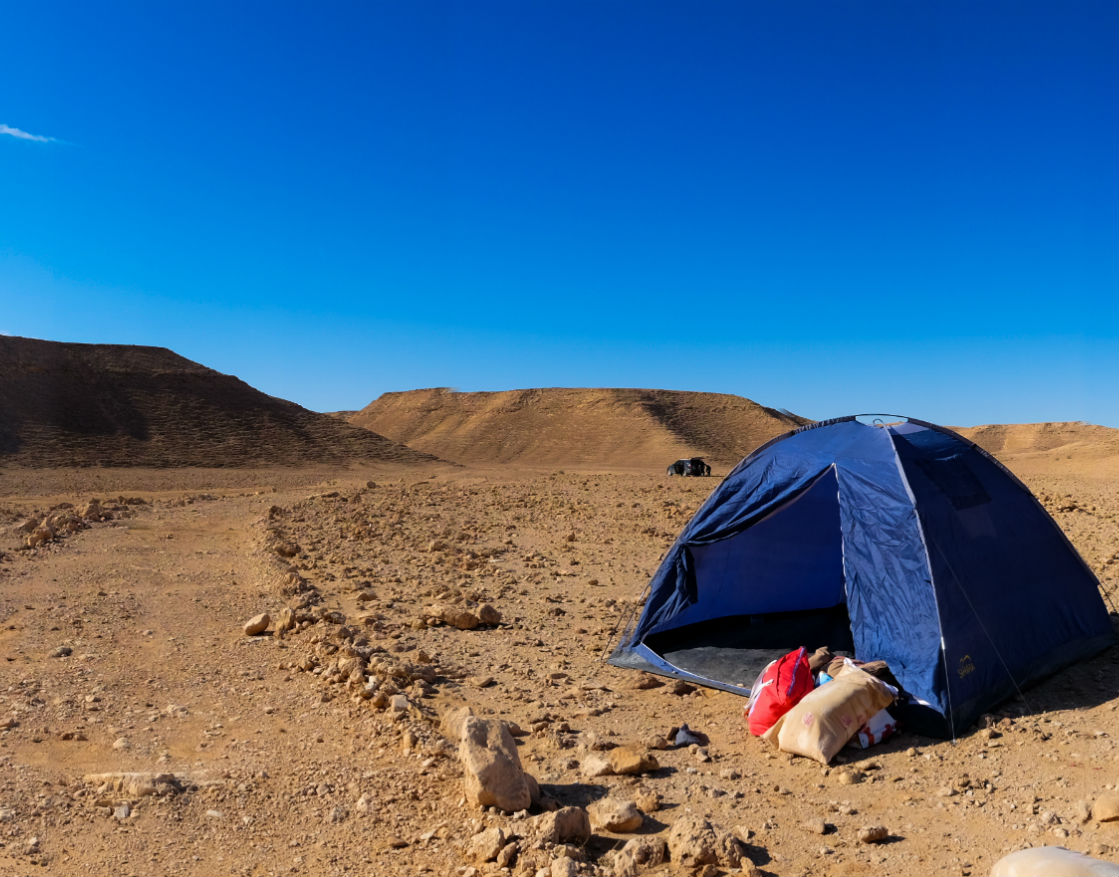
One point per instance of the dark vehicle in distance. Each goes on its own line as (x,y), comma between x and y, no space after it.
(690,466)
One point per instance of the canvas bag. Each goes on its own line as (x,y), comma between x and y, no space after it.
(783,683)
(826,718)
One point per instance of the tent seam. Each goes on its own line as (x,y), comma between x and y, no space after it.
(932,581)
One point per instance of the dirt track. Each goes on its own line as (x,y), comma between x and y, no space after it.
(284,773)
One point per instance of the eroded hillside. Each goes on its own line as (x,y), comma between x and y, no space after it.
(590,427)
(119,405)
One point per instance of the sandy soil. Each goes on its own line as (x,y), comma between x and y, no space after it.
(123,650)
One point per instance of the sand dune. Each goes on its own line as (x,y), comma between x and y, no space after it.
(106,404)
(560,426)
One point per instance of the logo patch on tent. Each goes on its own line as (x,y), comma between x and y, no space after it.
(966,666)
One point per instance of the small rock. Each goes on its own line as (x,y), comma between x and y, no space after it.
(639,852)
(564,867)
(123,811)
(1106,807)
(62,652)
(399,703)
(121,744)
(646,681)
(507,854)
(286,621)
(629,760)
(596,766)
(873,834)
(488,615)
(486,845)
(566,825)
(694,843)
(815,826)
(1083,811)
(257,624)
(460,618)
(618,816)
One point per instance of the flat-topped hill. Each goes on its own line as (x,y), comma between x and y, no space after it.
(65,404)
(563,426)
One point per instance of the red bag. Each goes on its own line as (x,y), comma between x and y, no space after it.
(782,684)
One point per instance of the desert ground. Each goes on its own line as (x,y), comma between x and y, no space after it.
(124,652)
(443,575)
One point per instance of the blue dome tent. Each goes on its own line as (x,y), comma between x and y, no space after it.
(900,541)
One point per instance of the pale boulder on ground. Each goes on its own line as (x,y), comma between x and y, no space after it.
(257,624)
(492,772)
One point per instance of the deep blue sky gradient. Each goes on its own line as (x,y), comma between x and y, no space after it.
(826,206)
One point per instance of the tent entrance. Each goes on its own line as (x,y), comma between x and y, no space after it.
(762,592)
(735,650)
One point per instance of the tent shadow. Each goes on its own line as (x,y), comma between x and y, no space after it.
(1086,684)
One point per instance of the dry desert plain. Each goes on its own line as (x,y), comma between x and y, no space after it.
(123,652)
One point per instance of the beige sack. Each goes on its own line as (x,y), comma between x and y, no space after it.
(827,717)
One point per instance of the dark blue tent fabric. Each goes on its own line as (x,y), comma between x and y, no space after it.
(946,566)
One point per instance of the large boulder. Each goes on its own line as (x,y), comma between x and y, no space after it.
(492,772)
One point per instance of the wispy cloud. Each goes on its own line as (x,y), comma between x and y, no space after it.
(23,135)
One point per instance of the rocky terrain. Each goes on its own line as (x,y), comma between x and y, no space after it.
(142,730)
(240,637)
(626,428)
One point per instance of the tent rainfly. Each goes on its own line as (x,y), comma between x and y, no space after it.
(900,541)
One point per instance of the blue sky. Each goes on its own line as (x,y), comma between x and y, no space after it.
(829,206)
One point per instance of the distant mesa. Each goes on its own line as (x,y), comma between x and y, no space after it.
(65,404)
(1058,448)
(620,428)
